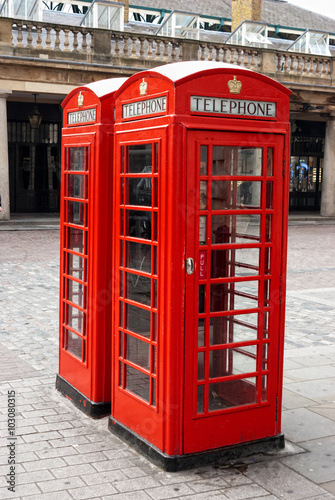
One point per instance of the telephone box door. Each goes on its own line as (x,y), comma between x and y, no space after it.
(233,280)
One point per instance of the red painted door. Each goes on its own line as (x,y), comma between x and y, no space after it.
(233,277)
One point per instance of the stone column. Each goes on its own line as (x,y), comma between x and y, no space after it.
(328,180)
(4,165)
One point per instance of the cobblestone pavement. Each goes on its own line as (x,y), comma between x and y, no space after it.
(63,454)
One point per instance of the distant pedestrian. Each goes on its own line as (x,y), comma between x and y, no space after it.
(0,202)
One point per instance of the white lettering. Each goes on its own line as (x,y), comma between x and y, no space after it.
(143,108)
(238,107)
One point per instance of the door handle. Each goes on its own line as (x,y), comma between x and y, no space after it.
(189,265)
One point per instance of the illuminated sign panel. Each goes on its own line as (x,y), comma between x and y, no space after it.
(144,108)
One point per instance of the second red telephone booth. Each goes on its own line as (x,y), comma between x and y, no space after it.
(201,201)
(86,238)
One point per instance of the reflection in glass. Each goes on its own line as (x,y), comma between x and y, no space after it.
(138,383)
(77,159)
(264,393)
(138,352)
(74,344)
(203,195)
(139,256)
(75,319)
(76,266)
(232,393)
(236,194)
(235,229)
(139,191)
(138,320)
(76,239)
(234,296)
(229,160)
(269,165)
(139,158)
(139,224)
(200,399)
(269,195)
(76,293)
(235,262)
(235,361)
(230,329)
(76,186)
(201,332)
(76,212)
(201,365)
(202,229)
(139,288)
(203,160)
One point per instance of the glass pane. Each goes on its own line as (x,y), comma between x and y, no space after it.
(236,194)
(201,365)
(201,332)
(202,229)
(235,262)
(202,289)
(139,288)
(266,325)
(138,383)
(76,212)
(76,266)
(236,361)
(230,329)
(138,320)
(203,160)
(139,158)
(203,195)
(269,166)
(268,228)
(75,319)
(153,391)
(139,191)
(76,186)
(232,393)
(139,256)
(235,229)
(76,293)
(269,195)
(229,160)
(76,239)
(138,352)
(74,344)
(200,399)
(77,159)
(234,296)
(139,224)
(264,393)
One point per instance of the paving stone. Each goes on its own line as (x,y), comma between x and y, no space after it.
(319,464)
(282,482)
(302,424)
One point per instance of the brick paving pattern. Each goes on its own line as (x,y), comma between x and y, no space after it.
(63,454)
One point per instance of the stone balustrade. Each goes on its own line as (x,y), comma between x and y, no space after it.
(144,51)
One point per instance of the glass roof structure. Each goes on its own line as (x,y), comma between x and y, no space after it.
(312,42)
(181,25)
(104,14)
(22,9)
(250,33)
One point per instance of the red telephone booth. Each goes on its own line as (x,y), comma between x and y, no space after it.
(86,237)
(201,202)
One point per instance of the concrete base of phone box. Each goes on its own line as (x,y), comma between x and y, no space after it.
(94,410)
(182,462)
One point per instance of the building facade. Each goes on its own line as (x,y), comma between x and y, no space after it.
(43,58)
